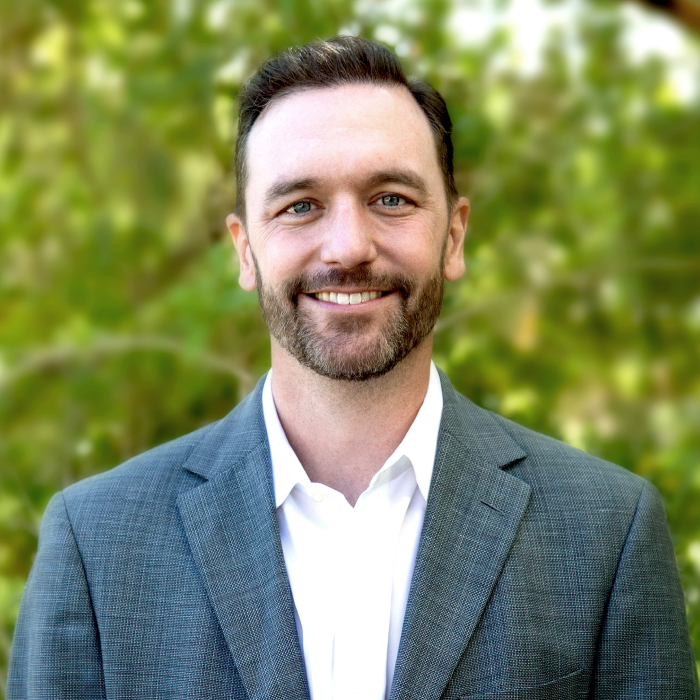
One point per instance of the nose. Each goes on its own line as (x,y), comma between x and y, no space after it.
(348,240)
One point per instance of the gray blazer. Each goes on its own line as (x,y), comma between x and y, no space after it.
(542,573)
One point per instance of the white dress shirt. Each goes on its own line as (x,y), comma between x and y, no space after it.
(349,568)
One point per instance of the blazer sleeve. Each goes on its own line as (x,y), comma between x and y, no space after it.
(56,647)
(644,649)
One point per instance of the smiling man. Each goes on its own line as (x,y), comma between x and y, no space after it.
(355,528)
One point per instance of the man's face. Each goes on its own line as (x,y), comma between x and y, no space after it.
(348,234)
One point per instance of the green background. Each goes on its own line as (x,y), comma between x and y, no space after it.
(121,322)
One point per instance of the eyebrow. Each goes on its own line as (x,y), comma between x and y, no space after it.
(400,177)
(283,187)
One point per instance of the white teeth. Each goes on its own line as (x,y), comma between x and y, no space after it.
(345,299)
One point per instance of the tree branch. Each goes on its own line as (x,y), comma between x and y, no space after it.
(61,356)
(685,12)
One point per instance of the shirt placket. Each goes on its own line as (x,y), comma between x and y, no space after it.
(362,624)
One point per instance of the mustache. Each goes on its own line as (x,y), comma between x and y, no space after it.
(360,277)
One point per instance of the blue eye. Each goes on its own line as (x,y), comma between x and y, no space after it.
(392,200)
(299,208)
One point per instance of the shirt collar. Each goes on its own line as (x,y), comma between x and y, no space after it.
(287,471)
(416,450)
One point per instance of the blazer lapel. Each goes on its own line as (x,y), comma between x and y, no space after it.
(231,525)
(472,518)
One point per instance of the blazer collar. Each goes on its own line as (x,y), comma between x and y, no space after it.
(231,525)
(227,442)
(472,518)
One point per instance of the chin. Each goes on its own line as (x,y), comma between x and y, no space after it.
(345,361)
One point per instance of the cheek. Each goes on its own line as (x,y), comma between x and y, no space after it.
(415,256)
(283,257)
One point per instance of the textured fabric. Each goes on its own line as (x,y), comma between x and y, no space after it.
(350,568)
(542,573)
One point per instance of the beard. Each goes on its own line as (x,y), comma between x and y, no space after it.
(351,348)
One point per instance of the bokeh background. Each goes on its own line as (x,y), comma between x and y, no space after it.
(577,135)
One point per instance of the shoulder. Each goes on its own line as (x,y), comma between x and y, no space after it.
(138,496)
(552,463)
(578,503)
(154,479)
(556,472)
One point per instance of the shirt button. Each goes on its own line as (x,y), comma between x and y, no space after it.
(318,495)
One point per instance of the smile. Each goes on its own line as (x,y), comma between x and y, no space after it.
(344,299)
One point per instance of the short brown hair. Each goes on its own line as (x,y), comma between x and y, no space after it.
(337,61)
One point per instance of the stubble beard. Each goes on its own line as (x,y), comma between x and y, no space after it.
(342,348)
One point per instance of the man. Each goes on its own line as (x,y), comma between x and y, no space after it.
(355,528)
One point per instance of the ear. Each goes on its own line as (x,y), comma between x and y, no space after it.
(454,252)
(246,277)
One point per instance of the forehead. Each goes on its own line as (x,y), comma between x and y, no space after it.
(340,135)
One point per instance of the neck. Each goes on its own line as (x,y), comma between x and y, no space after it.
(343,432)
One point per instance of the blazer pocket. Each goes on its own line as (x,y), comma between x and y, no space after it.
(564,688)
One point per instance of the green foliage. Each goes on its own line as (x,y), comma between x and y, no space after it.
(121,322)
